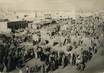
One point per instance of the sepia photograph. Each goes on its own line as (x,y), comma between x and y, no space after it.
(51,36)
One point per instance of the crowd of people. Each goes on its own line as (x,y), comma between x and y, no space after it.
(78,53)
(79,28)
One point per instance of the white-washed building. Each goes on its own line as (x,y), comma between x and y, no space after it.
(4,28)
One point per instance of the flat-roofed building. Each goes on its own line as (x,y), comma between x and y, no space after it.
(17,24)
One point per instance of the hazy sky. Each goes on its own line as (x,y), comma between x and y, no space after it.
(53,4)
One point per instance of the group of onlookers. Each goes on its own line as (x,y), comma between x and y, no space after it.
(12,55)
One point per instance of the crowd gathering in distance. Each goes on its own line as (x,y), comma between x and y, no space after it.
(13,56)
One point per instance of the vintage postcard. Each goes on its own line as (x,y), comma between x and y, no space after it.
(51,36)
